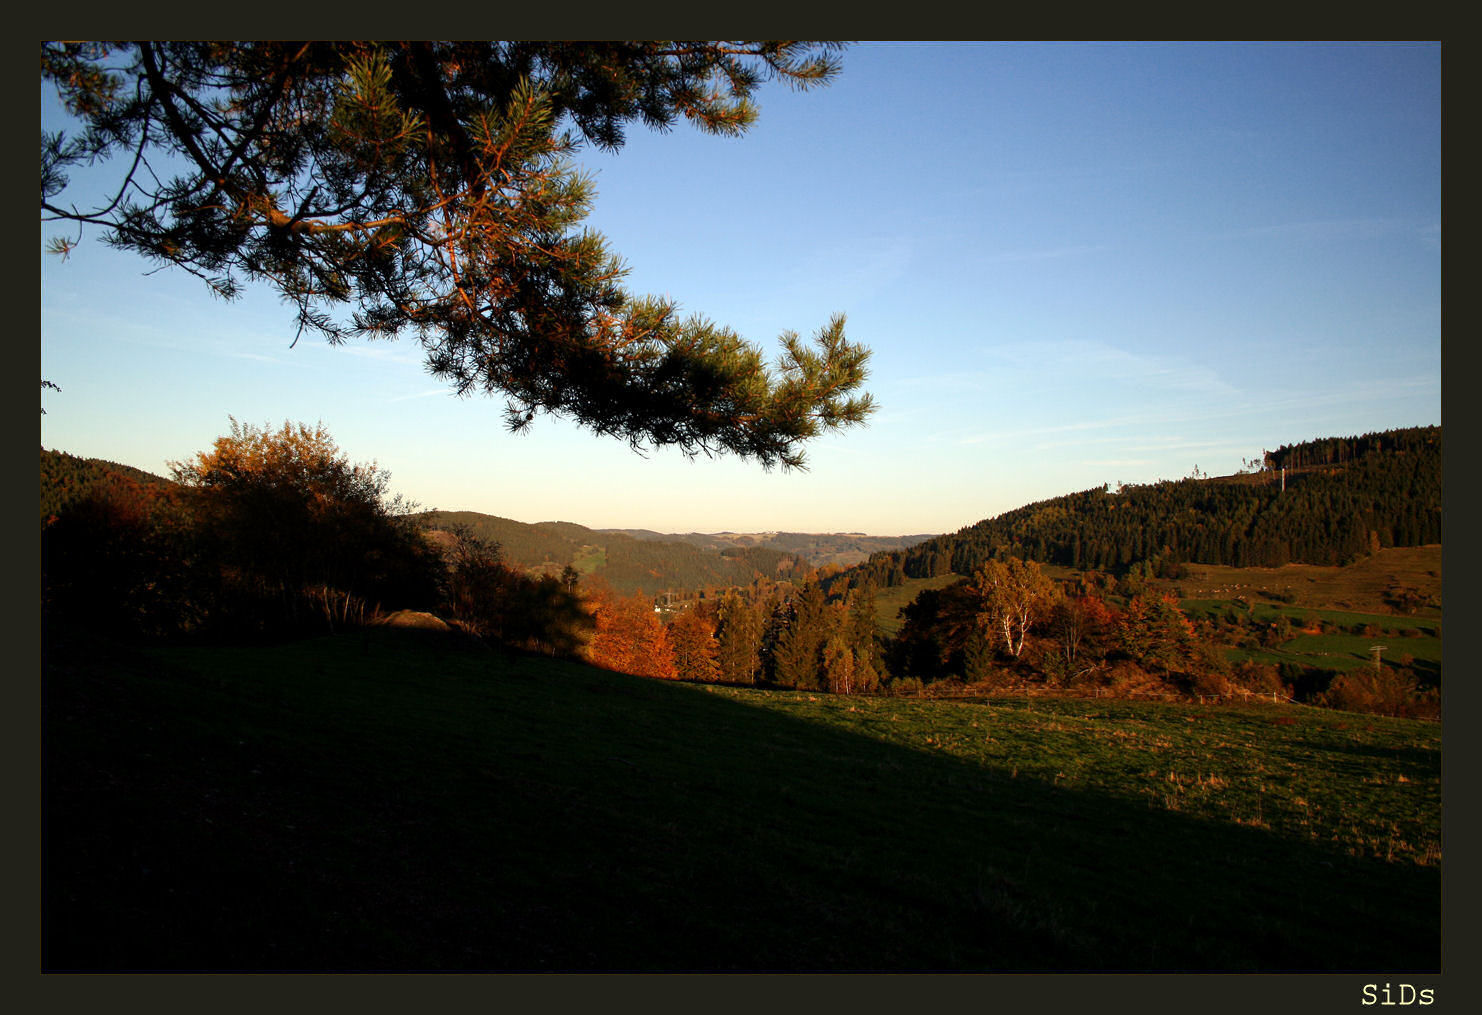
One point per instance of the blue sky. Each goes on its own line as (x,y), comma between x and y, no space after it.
(1074,264)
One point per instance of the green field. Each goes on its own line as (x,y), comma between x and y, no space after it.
(1418,638)
(1358,587)
(374,801)
(591,558)
(890,600)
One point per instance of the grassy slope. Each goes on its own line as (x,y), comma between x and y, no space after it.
(889,601)
(1359,587)
(373,802)
(1343,595)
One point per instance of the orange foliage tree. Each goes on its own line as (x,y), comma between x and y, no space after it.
(290,519)
(628,636)
(696,651)
(1013,595)
(1153,630)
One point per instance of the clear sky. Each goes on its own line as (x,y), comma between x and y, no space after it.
(1074,264)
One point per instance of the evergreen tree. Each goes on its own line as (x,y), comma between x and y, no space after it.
(740,638)
(427,188)
(936,627)
(798,660)
(862,635)
(977,658)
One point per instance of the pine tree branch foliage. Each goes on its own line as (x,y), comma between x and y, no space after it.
(428,189)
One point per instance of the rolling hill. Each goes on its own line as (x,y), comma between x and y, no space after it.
(1326,502)
(626,562)
(370,802)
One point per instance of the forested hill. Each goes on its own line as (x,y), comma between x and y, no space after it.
(626,563)
(66,478)
(1338,499)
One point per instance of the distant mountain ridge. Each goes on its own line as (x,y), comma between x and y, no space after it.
(628,563)
(1327,501)
(630,560)
(844,549)
(633,560)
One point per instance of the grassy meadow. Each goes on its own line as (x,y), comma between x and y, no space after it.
(381,800)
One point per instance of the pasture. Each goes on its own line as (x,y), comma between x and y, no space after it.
(384,801)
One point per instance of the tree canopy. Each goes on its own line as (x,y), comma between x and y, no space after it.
(427,189)
(288,507)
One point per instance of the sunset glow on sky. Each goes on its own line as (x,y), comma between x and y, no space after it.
(1075,264)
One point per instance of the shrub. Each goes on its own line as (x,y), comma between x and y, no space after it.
(1125,678)
(1211,684)
(1388,692)
(118,559)
(281,518)
(1259,678)
(905,687)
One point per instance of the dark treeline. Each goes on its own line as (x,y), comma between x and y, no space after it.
(1337,450)
(272,535)
(1354,496)
(522,544)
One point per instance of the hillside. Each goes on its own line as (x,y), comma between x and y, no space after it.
(1338,500)
(1324,503)
(67,478)
(628,563)
(369,802)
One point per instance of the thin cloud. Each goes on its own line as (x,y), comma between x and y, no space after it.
(1064,360)
(420,394)
(1054,253)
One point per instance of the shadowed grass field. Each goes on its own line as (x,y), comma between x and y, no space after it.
(378,801)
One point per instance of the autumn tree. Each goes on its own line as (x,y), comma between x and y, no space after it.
(1081,625)
(854,650)
(1012,596)
(1154,631)
(839,666)
(503,605)
(286,512)
(628,636)
(428,189)
(696,651)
